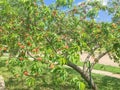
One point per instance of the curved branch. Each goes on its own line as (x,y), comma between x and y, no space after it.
(98,58)
(89,55)
(84,75)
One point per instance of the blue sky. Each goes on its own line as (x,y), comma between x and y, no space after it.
(103,16)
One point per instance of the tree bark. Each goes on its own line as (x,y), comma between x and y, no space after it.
(84,75)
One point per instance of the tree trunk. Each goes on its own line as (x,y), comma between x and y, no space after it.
(84,75)
(2,83)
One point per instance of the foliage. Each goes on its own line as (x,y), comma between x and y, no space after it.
(12,82)
(41,38)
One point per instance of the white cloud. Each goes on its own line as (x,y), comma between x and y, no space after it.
(104,2)
(80,3)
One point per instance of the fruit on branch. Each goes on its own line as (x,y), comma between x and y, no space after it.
(52,66)
(26,73)
(39,59)
(114,25)
(54,13)
(5,48)
(66,47)
(35,50)
(19,44)
(29,44)
(21,58)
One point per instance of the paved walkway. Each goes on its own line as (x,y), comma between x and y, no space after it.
(105,60)
(106,73)
(110,74)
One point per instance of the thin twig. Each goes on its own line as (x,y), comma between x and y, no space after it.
(51,45)
(31,55)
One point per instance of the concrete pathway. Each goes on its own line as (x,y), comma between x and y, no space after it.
(110,74)
(106,73)
(105,60)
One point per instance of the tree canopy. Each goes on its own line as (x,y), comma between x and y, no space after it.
(30,29)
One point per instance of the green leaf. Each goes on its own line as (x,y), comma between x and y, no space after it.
(81,86)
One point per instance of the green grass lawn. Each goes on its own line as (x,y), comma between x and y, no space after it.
(103,82)
(108,68)
(106,83)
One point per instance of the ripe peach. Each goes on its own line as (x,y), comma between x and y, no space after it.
(39,59)
(26,73)
(52,66)
(29,44)
(98,26)
(26,35)
(34,50)
(114,25)
(21,58)
(0,30)
(5,48)
(66,47)
(54,12)
(22,46)
(19,44)
(16,75)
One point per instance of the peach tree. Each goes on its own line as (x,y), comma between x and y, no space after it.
(42,38)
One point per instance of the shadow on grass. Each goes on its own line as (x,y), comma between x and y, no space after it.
(106,82)
(53,87)
(13,84)
(109,83)
(2,63)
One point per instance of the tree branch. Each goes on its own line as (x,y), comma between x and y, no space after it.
(97,59)
(31,55)
(83,74)
(51,45)
(85,62)
(89,55)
